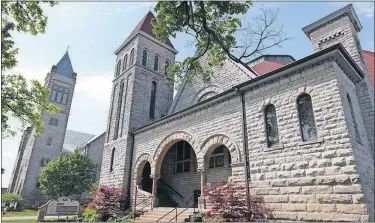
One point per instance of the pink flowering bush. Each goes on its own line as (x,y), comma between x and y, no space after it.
(108,201)
(229,203)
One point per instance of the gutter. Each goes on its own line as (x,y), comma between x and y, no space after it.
(245,145)
(130,168)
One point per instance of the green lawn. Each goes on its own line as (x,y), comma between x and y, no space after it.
(24,212)
(20,220)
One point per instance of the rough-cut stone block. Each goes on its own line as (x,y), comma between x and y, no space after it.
(346,217)
(325,180)
(302,198)
(321,207)
(329,154)
(276,198)
(352,208)
(342,179)
(315,172)
(301,181)
(317,190)
(303,216)
(297,173)
(349,169)
(339,161)
(324,162)
(350,189)
(294,207)
(285,215)
(334,198)
(278,183)
(290,190)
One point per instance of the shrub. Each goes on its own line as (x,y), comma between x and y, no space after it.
(90,215)
(108,201)
(229,203)
(10,197)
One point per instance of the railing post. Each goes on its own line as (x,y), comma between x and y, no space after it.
(176,214)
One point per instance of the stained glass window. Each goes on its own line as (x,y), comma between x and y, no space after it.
(144,58)
(271,125)
(125,63)
(182,157)
(118,68)
(112,159)
(152,100)
(156,63)
(131,60)
(306,118)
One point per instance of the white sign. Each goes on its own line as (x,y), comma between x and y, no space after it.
(64,206)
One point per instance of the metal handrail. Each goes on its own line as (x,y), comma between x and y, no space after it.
(135,204)
(161,180)
(179,205)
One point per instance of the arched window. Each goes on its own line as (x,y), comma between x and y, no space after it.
(167,64)
(156,63)
(118,68)
(144,58)
(131,59)
(306,117)
(217,157)
(271,125)
(152,100)
(125,62)
(353,118)
(112,159)
(118,113)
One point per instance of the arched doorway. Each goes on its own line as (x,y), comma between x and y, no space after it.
(146,179)
(179,179)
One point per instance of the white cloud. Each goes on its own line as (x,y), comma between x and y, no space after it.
(365,8)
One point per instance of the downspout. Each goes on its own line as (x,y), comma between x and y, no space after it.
(245,146)
(130,168)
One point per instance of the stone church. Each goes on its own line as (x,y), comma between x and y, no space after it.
(299,131)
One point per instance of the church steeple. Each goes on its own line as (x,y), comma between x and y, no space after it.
(64,66)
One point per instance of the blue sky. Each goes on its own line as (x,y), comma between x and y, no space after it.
(94,30)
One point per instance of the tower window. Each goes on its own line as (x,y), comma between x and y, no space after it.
(37,183)
(152,100)
(306,118)
(112,159)
(353,118)
(59,95)
(119,105)
(44,161)
(126,93)
(144,58)
(156,63)
(125,63)
(167,64)
(271,125)
(131,59)
(111,112)
(118,68)
(49,141)
(217,157)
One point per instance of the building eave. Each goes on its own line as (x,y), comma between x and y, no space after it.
(336,51)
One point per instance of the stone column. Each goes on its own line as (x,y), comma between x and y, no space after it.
(155,179)
(201,200)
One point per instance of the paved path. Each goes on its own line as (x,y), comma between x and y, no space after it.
(18,217)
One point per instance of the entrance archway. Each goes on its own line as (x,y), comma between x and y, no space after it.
(146,179)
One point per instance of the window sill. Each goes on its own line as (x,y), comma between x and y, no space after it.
(311,142)
(275,147)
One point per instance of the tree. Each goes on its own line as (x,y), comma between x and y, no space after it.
(67,175)
(229,203)
(20,100)
(10,197)
(108,201)
(214,26)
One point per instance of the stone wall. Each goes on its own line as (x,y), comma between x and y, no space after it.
(316,180)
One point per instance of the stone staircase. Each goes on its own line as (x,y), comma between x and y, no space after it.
(155,214)
(164,200)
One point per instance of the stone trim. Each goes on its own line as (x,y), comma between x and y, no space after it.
(319,140)
(167,142)
(207,89)
(213,142)
(331,37)
(139,164)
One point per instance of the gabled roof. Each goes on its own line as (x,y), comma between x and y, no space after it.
(73,140)
(64,66)
(146,26)
(268,66)
(369,57)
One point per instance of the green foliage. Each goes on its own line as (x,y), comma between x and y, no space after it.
(10,197)
(20,100)
(67,175)
(213,25)
(90,215)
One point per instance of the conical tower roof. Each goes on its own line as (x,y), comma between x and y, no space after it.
(64,66)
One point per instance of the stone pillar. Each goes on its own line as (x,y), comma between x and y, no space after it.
(201,200)
(155,179)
